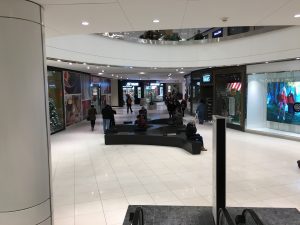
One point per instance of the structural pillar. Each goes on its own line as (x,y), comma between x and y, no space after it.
(24,138)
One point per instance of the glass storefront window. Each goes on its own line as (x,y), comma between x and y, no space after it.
(56,104)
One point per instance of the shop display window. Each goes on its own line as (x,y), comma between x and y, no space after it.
(56,106)
(270,102)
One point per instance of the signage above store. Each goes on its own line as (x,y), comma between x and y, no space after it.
(297,107)
(217,33)
(132,84)
(154,84)
(206,78)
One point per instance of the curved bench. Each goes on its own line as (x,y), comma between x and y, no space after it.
(146,138)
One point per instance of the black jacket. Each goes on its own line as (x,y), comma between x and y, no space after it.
(107,112)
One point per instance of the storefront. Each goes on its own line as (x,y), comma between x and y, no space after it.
(230,95)
(133,88)
(154,91)
(56,101)
(271,98)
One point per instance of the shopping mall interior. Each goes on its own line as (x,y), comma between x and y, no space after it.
(154,71)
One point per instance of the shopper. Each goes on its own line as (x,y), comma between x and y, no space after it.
(143,112)
(191,134)
(128,103)
(92,116)
(290,103)
(201,110)
(141,123)
(112,118)
(171,108)
(106,115)
(183,106)
(178,118)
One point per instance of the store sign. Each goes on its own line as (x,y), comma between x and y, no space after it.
(132,84)
(217,33)
(154,84)
(206,78)
(297,107)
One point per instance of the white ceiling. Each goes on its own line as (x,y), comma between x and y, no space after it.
(63,17)
(126,72)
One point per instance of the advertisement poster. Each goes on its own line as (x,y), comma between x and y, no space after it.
(85,107)
(105,86)
(85,85)
(72,83)
(73,109)
(281,97)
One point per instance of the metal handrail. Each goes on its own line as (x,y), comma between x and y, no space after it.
(241,219)
(223,213)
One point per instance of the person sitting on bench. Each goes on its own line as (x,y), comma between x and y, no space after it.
(143,112)
(191,134)
(141,123)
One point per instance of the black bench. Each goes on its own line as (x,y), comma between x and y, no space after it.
(153,136)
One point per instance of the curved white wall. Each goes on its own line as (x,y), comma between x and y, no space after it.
(24,157)
(275,45)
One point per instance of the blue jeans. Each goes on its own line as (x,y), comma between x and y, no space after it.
(106,124)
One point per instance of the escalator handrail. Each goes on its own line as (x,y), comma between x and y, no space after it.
(138,218)
(224,211)
(253,215)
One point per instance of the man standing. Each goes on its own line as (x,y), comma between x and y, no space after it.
(129,103)
(106,115)
(92,116)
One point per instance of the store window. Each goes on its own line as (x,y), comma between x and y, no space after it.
(56,105)
(274,96)
(229,98)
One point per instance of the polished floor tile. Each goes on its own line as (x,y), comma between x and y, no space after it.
(94,183)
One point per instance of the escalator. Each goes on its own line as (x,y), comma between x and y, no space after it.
(248,217)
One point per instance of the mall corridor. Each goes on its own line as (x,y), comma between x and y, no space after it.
(94,183)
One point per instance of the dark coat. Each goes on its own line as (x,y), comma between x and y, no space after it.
(92,114)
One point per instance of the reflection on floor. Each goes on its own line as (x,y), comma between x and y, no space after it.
(94,183)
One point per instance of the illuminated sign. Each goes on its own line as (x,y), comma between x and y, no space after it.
(217,33)
(206,78)
(154,84)
(132,84)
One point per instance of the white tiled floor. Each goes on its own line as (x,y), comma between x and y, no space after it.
(94,183)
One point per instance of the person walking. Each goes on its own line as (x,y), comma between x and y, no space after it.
(201,110)
(129,103)
(92,116)
(183,106)
(106,115)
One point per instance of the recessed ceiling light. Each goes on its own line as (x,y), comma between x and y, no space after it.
(181,68)
(100,73)
(112,75)
(127,78)
(70,63)
(85,23)
(108,66)
(97,67)
(88,67)
(117,75)
(267,62)
(142,72)
(176,69)
(155,68)
(121,77)
(297,15)
(58,60)
(155,21)
(209,67)
(297,58)
(181,72)
(130,67)
(84,63)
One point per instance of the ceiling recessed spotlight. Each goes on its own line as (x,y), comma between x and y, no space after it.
(209,67)
(181,68)
(155,68)
(88,67)
(100,73)
(70,63)
(117,75)
(181,72)
(266,62)
(85,23)
(140,78)
(121,77)
(84,63)
(155,21)
(297,58)
(130,67)
(127,78)
(112,75)
(58,60)
(142,72)
(297,15)
(108,66)
(97,67)
(176,69)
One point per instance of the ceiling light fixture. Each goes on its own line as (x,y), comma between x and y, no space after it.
(84,63)
(97,67)
(155,21)
(297,15)
(176,69)
(58,60)
(85,23)
(130,67)
(297,58)
(100,73)
(181,72)
(155,68)
(70,63)
(88,67)
(142,72)
(266,62)
(112,75)
(108,66)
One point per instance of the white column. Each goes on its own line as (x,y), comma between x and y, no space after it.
(24,147)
